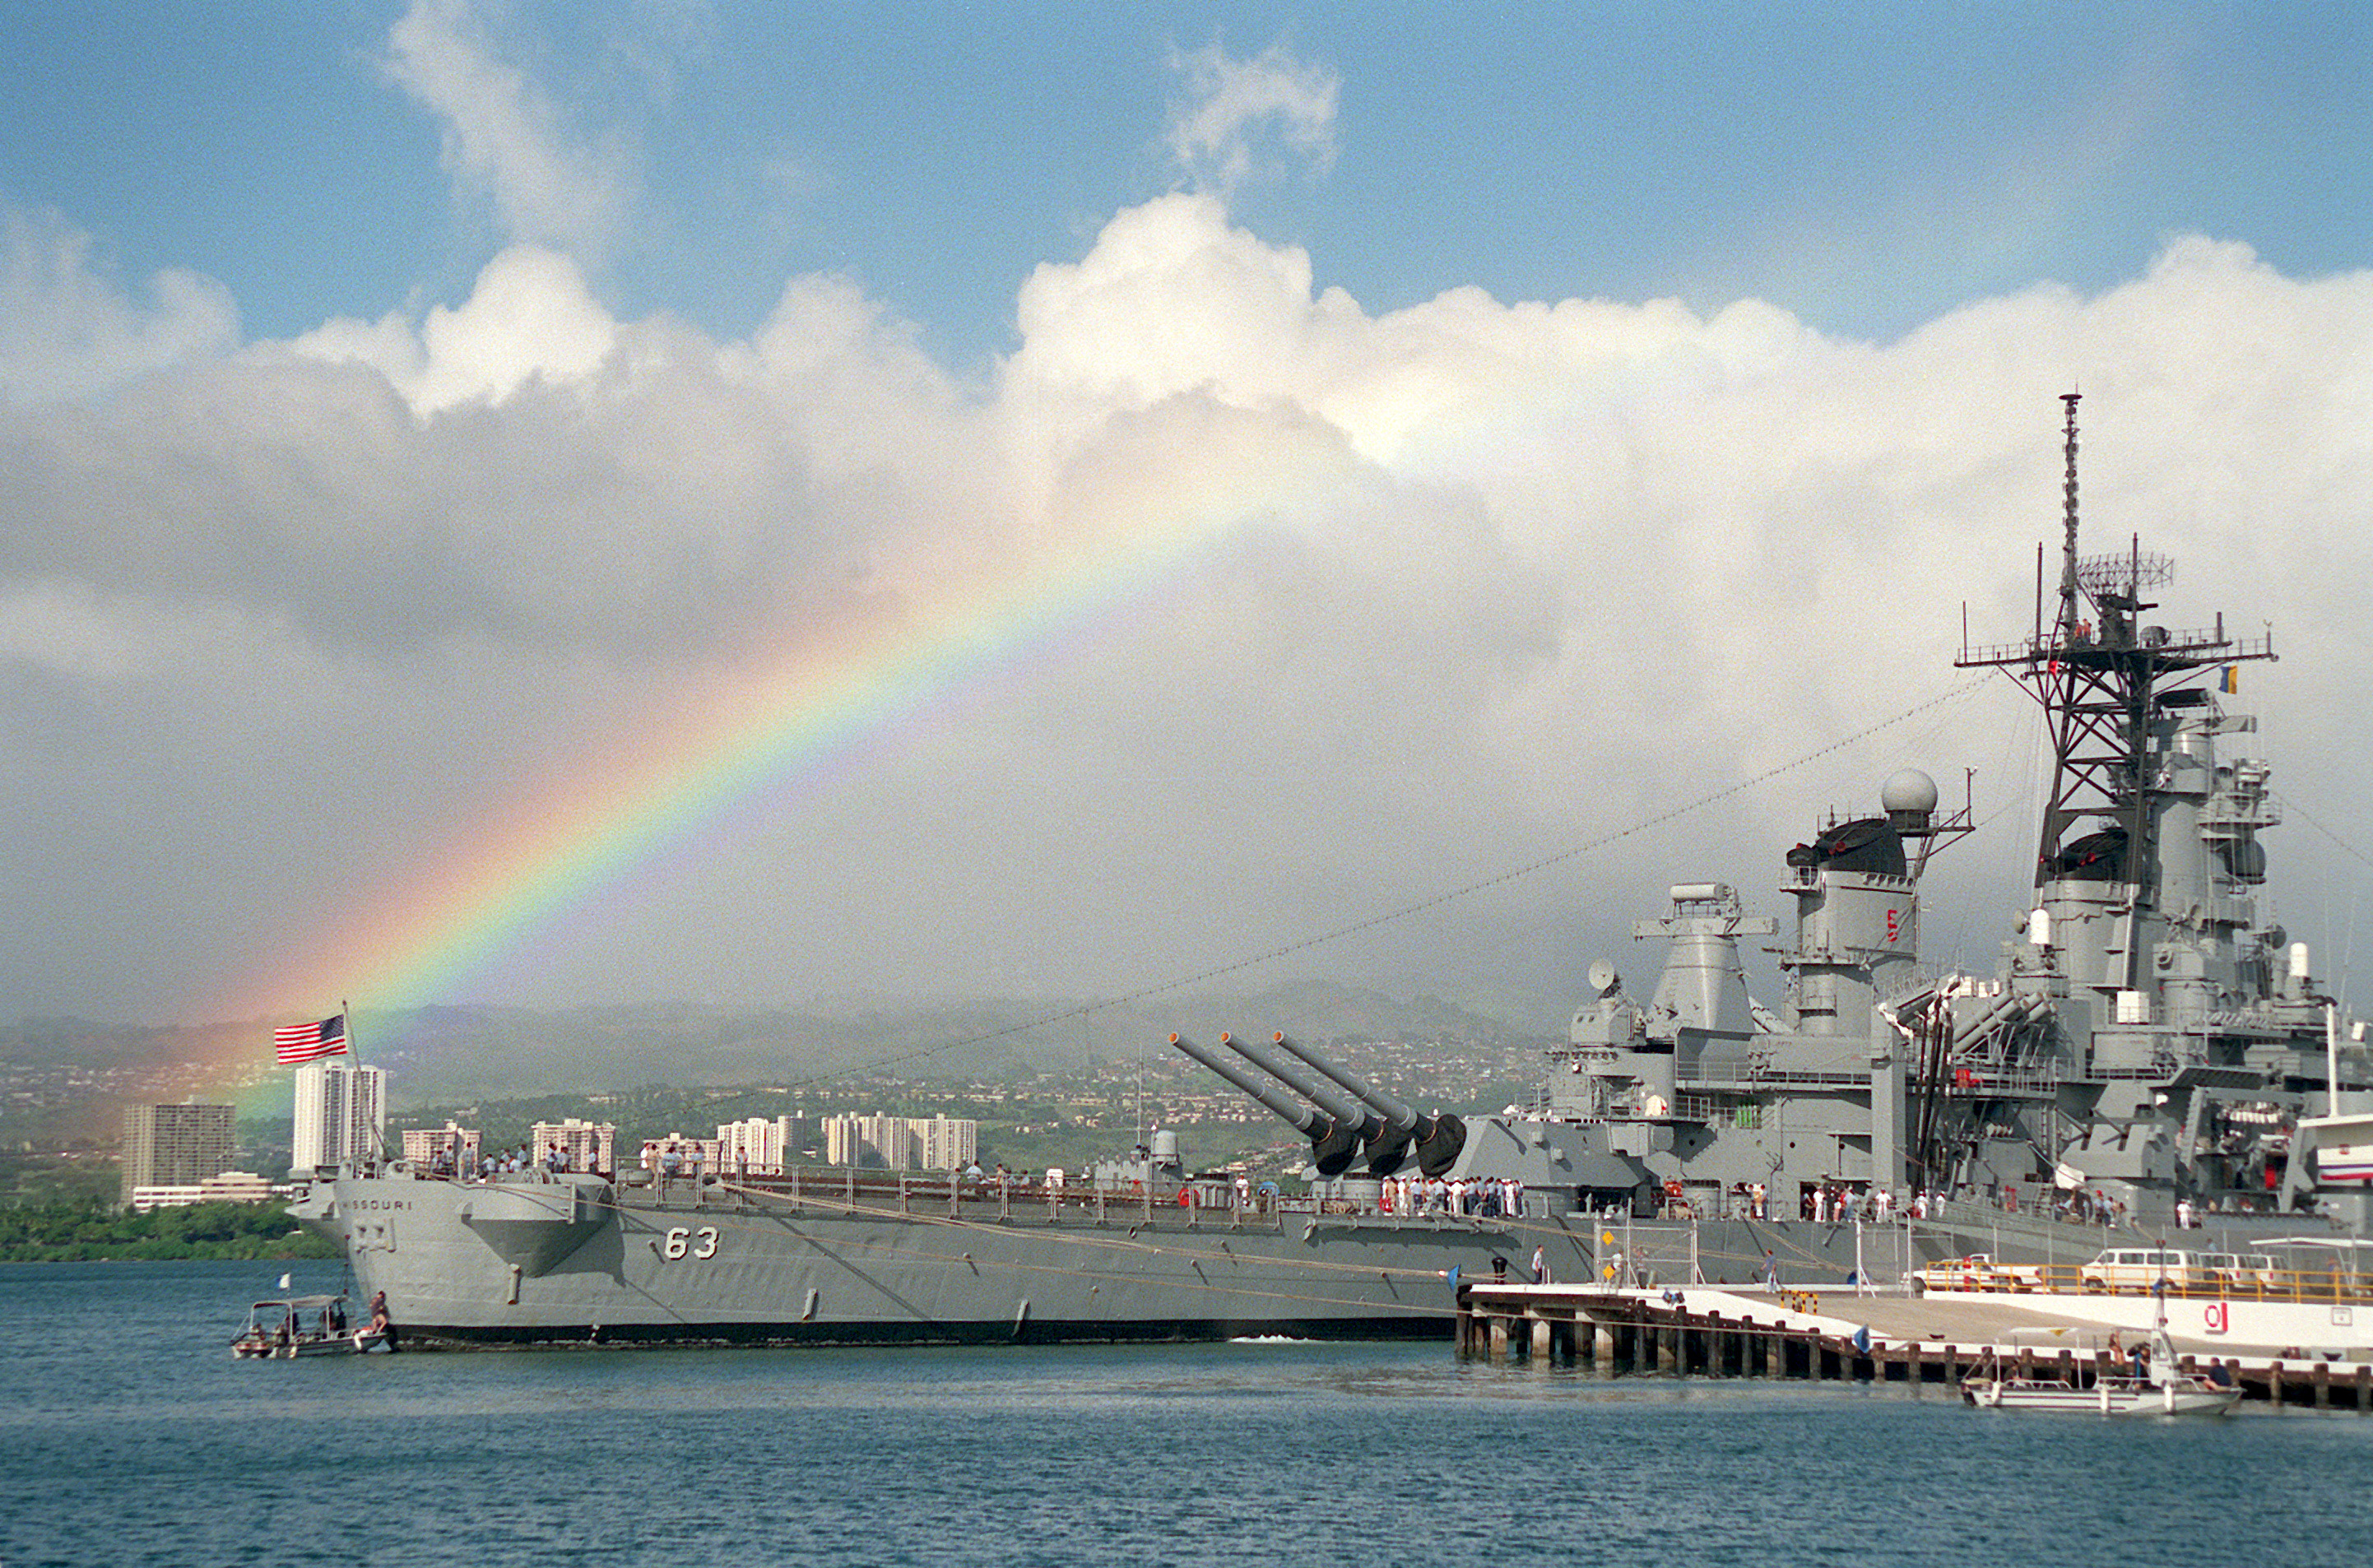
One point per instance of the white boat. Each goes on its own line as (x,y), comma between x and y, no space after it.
(284,1327)
(2159,1389)
(2113,1395)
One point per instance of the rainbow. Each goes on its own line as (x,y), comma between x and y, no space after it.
(789,721)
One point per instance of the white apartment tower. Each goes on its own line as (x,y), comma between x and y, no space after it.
(591,1146)
(936,1144)
(340,1109)
(760,1146)
(176,1145)
(946,1145)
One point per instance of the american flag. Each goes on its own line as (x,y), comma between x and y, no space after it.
(304,1042)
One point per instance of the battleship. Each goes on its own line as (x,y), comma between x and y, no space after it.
(2149,1051)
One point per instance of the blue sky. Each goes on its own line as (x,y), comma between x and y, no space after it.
(1544,414)
(1864,166)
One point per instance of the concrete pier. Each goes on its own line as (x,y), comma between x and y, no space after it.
(1940,1339)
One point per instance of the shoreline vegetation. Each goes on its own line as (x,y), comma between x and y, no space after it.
(92,1233)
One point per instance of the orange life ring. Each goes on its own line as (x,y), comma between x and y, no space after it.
(1185,1197)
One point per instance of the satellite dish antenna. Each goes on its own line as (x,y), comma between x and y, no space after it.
(1603,977)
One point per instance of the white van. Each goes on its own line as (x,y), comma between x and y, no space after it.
(2142,1268)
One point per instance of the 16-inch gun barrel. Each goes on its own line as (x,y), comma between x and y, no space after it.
(1333,1145)
(1438,1139)
(1398,1119)
(1301,1118)
(1347,1108)
(1352,1122)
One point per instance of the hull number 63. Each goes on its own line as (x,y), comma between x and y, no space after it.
(686,1243)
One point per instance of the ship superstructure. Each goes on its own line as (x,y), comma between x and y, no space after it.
(2149,1041)
(1733,1110)
(2151,1036)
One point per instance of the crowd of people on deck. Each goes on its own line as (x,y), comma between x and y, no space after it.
(1488,1198)
(448,1162)
(1841,1205)
(2088,1207)
(1824,1203)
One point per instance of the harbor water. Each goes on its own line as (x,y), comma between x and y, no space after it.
(128,1434)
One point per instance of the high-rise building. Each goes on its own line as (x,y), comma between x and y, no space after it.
(175,1145)
(853,1140)
(755,1145)
(340,1109)
(936,1144)
(455,1145)
(945,1144)
(591,1146)
(693,1156)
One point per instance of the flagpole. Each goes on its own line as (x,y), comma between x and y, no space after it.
(353,1051)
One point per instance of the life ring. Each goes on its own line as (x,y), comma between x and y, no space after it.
(1185,1197)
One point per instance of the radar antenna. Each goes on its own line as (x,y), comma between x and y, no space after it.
(2099,673)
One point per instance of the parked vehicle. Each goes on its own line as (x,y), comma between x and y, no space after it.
(2147,1268)
(1978,1271)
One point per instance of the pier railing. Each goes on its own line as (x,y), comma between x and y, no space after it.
(2195,1281)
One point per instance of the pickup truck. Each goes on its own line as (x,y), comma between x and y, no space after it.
(1978,1272)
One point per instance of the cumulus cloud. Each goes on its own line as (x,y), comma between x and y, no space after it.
(531,317)
(1234,608)
(69,331)
(1246,119)
(505,138)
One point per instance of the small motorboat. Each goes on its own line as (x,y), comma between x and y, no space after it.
(2158,1389)
(288,1326)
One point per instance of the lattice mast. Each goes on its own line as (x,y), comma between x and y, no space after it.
(2099,673)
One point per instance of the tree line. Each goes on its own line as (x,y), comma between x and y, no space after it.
(91,1232)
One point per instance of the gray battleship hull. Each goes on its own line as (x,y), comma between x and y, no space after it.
(525,1260)
(530,1260)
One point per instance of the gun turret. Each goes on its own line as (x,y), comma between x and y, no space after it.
(1438,1139)
(1333,1145)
